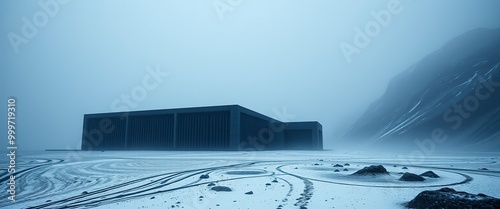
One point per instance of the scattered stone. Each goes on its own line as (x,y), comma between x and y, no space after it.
(321,160)
(449,198)
(250,192)
(336,170)
(85,192)
(404,167)
(217,205)
(401,173)
(411,177)
(48,201)
(211,184)
(345,169)
(394,166)
(429,174)
(483,169)
(316,164)
(371,170)
(338,165)
(268,184)
(178,203)
(152,198)
(221,189)
(303,207)
(204,176)
(201,197)
(275,181)
(347,164)
(296,168)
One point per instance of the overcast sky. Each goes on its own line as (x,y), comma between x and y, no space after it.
(63,60)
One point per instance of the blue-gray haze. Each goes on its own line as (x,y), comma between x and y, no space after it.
(62,59)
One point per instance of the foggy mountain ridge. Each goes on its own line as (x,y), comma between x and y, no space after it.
(454,92)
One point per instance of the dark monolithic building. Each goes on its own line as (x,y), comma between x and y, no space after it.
(229,127)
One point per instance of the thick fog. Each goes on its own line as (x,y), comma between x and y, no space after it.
(290,60)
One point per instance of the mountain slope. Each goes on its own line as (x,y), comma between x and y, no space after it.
(454,91)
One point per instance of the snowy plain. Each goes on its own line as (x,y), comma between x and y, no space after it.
(277,179)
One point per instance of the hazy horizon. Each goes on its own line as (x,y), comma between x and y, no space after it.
(276,58)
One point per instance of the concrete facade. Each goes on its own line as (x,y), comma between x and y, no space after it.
(229,127)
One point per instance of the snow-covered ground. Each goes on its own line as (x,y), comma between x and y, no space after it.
(295,179)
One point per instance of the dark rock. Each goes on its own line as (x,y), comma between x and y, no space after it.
(250,192)
(429,174)
(316,164)
(394,166)
(345,169)
(211,184)
(411,177)
(152,198)
(404,167)
(371,170)
(178,203)
(296,168)
(449,198)
(338,165)
(275,181)
(347,164)
(336,170)
(303,207)
(268,184)
(85,192)
(48,201)
(221,189)
(483,169)
(321,160)
(204,176)
(201,197)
